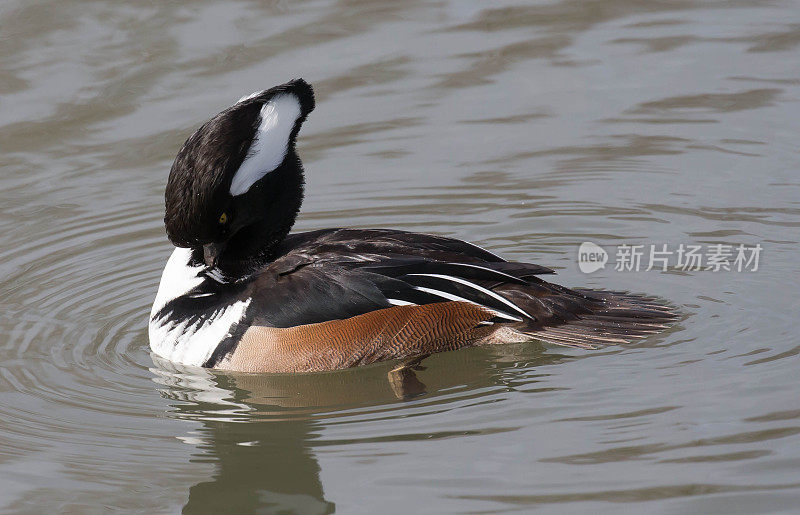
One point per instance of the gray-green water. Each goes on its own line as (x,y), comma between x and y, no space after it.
(527,128)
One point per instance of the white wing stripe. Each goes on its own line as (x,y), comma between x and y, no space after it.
(480,289)
(496,272)
(398,302)
(450,296)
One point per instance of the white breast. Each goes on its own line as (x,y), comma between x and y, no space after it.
(174,339)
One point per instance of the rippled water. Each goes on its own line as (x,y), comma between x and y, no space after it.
(524,127)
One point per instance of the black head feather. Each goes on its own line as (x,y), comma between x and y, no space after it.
(199,182)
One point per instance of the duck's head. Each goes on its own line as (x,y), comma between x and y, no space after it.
(237,183)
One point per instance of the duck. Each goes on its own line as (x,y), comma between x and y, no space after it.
(242,292)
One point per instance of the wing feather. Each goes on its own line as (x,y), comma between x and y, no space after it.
(342,273)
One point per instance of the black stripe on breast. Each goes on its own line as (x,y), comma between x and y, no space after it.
(231,340)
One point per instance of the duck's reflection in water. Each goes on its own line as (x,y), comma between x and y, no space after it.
(259,429)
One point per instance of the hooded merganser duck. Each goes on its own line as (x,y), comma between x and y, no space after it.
(241,293)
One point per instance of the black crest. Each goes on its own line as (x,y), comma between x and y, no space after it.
(199,181)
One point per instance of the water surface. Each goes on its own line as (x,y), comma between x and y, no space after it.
(527,128)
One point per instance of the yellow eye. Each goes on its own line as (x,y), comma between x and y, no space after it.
(223,218)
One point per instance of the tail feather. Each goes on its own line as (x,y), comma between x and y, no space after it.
(609,318)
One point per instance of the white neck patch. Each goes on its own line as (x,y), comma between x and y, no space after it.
(177,279)
(270,144)
(177,340)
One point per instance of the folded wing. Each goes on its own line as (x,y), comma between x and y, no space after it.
(339,275)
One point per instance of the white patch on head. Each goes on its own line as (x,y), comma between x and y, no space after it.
(271,142)
(175,340)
